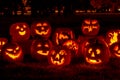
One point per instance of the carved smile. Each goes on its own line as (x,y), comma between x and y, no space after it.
(42,53)
(93,61)
(60,62)
(42,32)
(117,54)
(22,33)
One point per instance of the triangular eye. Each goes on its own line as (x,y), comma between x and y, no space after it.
(46,45)
(17,27)
(62,52)
(87,21)
(45,24)
(24,26)
(38,24)
(17,48)
(116,48)
(3,43)
(90,50)
(94,21)
(9,49)
(98,51)
(39,45)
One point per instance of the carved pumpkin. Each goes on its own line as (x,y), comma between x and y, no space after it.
(40,49)
(20,31)
(96,51)
(62,34)
(72,45)
(12,52)
(41,29)
(90,27)
(3,41)
(59,56)
(115,50)
(112,36)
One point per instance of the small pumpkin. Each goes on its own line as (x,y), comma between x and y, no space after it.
(61,35)
(96,51)
(90,27)
(59,56)
(40,48)
(3,41)
(41,29)
(20,31)
(12,52)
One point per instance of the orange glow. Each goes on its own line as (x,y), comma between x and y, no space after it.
(61,36)
(38,24)
(90,28)
(22,33)
(45,24)
(98,51)
(60,62)
(93,61)
(41,32)
(113,37)
(94,21)
(87,21)
(42,53)
(116,48)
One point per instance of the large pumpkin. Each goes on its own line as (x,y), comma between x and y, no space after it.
(12,52)
(90,27)
(3,41)
(112,36)
(59,56)
(41,29)
(96,51)
(61,35)
(40,49)
(20,31)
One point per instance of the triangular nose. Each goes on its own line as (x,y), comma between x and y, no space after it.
(57,57)
(90,28)
(92,55)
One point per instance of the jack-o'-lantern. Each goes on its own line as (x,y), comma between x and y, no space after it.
(40,48)
(112,36)
(59,56)
(115,50)
(20,31)
(72,45)
(62,34)
(3,41)
(12,52)
(90,27)
(41,29)
(96,51)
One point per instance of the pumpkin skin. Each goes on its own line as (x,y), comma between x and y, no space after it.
(61,35)
(59,56)
(40,49)
(112,36)
(41,29)
(20,31)
(115,50)
(3,41)
(90,27)
(12,52)
(96,51)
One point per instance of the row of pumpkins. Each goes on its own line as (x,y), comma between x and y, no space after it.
(64,47)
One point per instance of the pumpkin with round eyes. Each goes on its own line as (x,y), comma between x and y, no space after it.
(112,36)
(59,56)
(72,45)
(41,29)
(96,51)
(40,48)
(3,41)
(90,27)
(61,35)
(12,52)
(20,31)
(115,50)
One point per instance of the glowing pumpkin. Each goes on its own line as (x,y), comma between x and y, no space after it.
(90,27)
(96,51)
(41,29)
(72,45)
(40,49)
(59,56)
(3,41)
(20,31)
(61,35)
(12,52)
(112,36)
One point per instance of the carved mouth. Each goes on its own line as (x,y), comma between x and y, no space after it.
(117,54)
(42,53)
(22,33)
(93,61)
(58,62)
(42,32)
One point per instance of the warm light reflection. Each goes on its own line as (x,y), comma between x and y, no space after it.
(113,37)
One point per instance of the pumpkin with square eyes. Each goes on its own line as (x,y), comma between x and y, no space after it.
(12,52)
(96,51)
(41,29)
(40,48)
(90,27)
(61,35)
(3,41)
(59,56)
(20,31)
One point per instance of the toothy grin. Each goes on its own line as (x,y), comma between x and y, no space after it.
(92,61)
(42,53)
(42,32)
(59,62)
